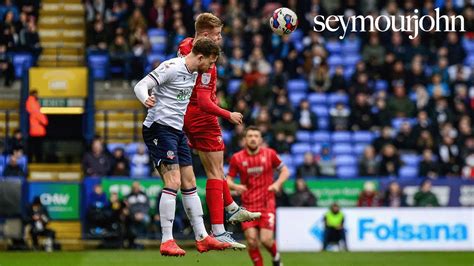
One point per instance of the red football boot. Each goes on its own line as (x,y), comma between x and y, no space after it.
(170,248)
(210,243)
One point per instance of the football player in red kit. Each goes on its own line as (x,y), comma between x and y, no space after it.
(204,133)
(256,165)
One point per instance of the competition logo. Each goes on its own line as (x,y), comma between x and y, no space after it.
(156,142)
(205,78)
(170,155)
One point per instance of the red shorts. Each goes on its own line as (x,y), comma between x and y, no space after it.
(203,131)
(266,221)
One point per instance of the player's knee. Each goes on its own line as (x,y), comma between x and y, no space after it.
(173,181)
(267,241)
(252,242)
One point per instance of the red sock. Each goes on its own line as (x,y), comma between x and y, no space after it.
(226,191)
(215,200)
(273,249)
(256,257)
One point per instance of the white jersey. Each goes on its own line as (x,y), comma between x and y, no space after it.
(174,86)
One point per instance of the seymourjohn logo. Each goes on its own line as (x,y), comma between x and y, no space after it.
(402,231)
(410,23)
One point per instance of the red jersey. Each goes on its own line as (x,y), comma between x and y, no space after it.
(204,92)
(256,172)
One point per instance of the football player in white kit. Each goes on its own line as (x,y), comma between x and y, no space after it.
(171,85)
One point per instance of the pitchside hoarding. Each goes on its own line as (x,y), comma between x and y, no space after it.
(380,229)
(61,199)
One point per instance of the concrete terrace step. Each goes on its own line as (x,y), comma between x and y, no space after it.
(64,22)
(55,9)
(59,64)
(63,44)
(63,51)
(61,1)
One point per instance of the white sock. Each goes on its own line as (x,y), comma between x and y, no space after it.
(167,212)
(277,257)
(231,208)
(193,207)
(218,229)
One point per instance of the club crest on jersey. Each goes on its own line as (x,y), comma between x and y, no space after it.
(170,155)
(205,78)
(245,164)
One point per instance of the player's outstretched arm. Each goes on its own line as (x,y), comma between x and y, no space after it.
(142,91)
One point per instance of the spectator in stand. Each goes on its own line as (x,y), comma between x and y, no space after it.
(12,168)
(30,40)
(38,219)
(280,144)
(119,52)
(6,66)
(468,169)
(159,14)
(141,162)
(308,168)
(303,197)
(428,166)
(390,163)
(138,206)
(361,116)
(237,63)
(326,163)
(319,79)
(423,123)
(9,6)
(437,87)
(120,163)
(441,113)
(369,197)
(449,157)
(340,116)
(338,81)
(394,196)
(405,139)
(374,54)
(425,141)
(384,139)
(280,106)
(456,52)
(368,164)
(96,162)
(140,45)
(424,197)
(97,36)
(288,126)
(98,218)
(399,105)
(16,143)
(307,119)
(38,123)
(382,115)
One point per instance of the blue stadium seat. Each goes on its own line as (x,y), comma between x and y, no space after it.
(469,60)
(233,86)
(410,159)
(227,136)
(112,146)
(359,148)
(344,160)
(335,60)
(2,168)
(3,160)
(323,123)
(287,159)
(99,64)
(342,148)
(363,136)
(351,46)
(300,148)
(468,45)
(341,136)
(297,85)
(316,148)
(295,97)
(408,172)
(158,40)
(347,172)
(317,98)
(303,136)
(139,171)
(321,136)
(131,148)
(334,47)
(381,85)
(297,36)
(351,60)
(292,170)
(337,98)
(22,61)
(349,71)
(298,159)
(397,122)
(320,110)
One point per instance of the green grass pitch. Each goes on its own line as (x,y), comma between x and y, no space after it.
(233,258)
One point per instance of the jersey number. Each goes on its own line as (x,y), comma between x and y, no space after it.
(271,219)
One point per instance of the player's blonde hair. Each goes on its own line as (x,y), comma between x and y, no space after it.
(206,21)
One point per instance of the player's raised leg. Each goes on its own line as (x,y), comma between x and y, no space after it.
(251,235)
(193,207)
(172,182)
(268,241)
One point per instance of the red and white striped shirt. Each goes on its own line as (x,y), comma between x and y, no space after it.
(256,171)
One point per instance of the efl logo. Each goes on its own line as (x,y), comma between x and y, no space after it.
(384,23)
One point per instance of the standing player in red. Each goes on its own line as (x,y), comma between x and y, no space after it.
(255,165)
(204,133)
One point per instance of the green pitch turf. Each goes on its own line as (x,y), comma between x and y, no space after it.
(233,258)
